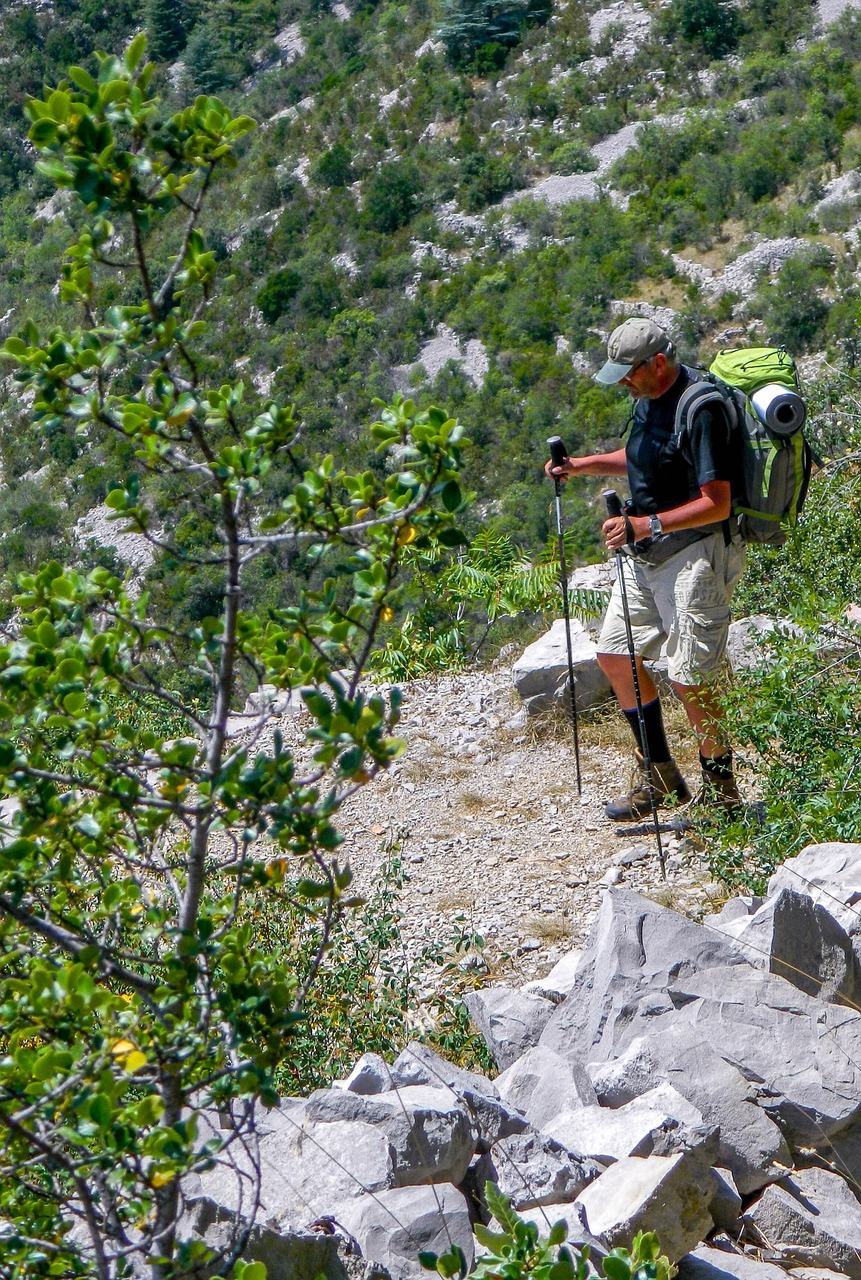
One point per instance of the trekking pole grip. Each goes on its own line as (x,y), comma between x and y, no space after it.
(614,503)
(557,450)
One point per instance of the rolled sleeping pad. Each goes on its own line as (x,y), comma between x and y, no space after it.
(779,408)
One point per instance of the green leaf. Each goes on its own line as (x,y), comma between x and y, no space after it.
(493,1240)
(453,538)
(427,1260)
(135,51)
(42,132)
(250,1271)
(558,1232)
(100,1110)
(451,496)
(616,1267)
(500,1206)
(83,79)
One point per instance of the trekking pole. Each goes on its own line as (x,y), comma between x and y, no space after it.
(614,508)
(557,457)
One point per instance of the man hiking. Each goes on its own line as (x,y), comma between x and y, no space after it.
(681,563)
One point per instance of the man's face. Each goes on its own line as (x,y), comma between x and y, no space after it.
(647,379)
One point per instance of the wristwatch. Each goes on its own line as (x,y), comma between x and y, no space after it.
(655,526)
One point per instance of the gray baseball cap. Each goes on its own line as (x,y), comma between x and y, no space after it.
(632,343)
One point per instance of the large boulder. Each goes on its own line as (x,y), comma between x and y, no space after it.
(393,1227)
(647,971)
(492,1117)
(540,674)
(534,1169)
(830,874)
(751,1145)
(296,1255)
(665,1194)
(799,940)
(430,1134)
(419,1064)
(509,1021)
(660,1122)
(541,1083)
(303,1170)
(813,1219)
(636,949)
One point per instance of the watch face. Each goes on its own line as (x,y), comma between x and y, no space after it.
(655,526)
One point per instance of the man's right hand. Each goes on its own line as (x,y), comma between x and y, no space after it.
(558,473)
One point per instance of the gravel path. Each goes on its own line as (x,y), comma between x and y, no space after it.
(492,829)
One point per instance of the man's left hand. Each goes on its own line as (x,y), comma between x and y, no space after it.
(617,531)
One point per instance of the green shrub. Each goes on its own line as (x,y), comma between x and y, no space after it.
(334,168)
(367,989)
(486,179)
(573,157)
(712,25)
(517,1252)
(280,289)
(469,27)
(391,197)
(793,307)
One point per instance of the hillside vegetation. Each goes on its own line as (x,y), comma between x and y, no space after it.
(469,175)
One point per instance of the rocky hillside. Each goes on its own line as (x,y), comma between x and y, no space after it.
(461,207)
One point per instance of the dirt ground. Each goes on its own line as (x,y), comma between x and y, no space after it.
(493,833)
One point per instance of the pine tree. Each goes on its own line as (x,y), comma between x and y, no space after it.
(169,24)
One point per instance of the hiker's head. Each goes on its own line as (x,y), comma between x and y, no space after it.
(640,357)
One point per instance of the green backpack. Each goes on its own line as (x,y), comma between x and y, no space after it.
(777,459)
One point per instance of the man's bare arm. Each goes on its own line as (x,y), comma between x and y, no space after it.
(595,464)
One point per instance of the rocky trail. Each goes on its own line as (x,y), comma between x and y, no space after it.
(485,810)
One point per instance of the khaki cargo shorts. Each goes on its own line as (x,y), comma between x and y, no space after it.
(684,603)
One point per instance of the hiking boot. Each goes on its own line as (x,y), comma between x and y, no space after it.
(669,785)
(719,795)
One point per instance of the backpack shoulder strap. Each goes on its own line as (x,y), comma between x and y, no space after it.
(697,396)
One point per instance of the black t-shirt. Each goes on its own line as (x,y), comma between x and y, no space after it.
(661,473)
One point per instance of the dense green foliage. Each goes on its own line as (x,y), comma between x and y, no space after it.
(143,844)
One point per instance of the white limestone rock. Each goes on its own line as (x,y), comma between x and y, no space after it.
(541,1083)
(492,1117)
(659,1122)
(558,983)
(393,1227)
(371,1074)
(708,1263)
(751,1145)
(430,1135)
(540,674)
(665,1194)
(813,1219)
(508,1021)
(534,1169)
(725,1204)
(648,971)
(798,939)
